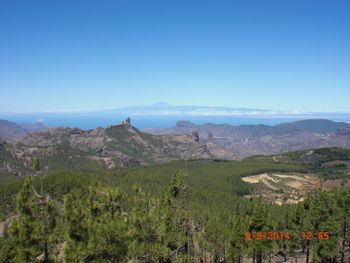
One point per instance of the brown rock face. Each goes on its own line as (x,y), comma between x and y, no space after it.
(247,140)
(116,146)
(195,136)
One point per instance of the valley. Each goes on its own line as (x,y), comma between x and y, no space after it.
(121,182)
(120,145)
(247,140)
(123,145)
(221,200)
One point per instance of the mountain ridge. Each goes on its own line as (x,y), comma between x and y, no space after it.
(247,140)
(120,145)
(11,130)
(123,145)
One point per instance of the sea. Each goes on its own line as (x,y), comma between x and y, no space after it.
(92,120)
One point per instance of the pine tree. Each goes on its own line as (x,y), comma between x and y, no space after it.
(237,233)
(298,222)
(306,223)
(145,229)
(107,222)
(325,218)
(7,245)
(284,226)
(343,202)
(31,233)
(76,228)
(36,165)
(176,220)
(47,214)
(259,220)
(216,235)
(96,227)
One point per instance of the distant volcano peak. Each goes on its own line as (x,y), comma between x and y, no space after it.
(161,103)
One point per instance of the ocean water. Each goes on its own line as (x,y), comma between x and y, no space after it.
(103,119)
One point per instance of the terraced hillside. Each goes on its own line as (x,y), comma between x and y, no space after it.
(281,188)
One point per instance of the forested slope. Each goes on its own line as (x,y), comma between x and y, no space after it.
(183,211)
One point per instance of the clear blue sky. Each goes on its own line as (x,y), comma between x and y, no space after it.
(275,54)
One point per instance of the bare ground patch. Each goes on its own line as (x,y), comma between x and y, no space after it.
(283,188)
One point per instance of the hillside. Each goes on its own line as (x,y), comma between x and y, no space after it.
(10,129)
(115,146)
(248,140)
(210,203)
(212,182)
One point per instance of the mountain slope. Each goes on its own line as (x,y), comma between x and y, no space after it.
(116,146)
(316,125)
(10,129)
(247,140)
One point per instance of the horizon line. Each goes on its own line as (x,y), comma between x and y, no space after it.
(198,110)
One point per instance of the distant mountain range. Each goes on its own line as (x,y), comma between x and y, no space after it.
(12,130)
(119,145)
(123,145)
(247,140)
(163,115)
(165,109)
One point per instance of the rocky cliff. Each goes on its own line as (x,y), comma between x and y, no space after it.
(115,146)
(247,140)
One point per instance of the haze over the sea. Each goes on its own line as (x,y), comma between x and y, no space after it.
(163,115)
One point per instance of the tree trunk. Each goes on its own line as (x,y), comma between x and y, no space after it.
(46,253)
(343,244)
(342,254)
(259,258)
(307,254)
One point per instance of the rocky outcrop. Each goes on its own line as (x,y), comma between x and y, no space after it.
(343,132)
(195,136)
(115,146)
(246,140)
(127,121)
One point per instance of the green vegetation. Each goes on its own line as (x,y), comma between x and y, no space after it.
(319,156)
(211,184)
(329,163)
(105,224)
(132,146)
(183,211)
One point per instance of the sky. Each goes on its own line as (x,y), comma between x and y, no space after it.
(93,55)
